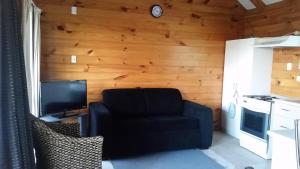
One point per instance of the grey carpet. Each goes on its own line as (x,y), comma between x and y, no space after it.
(183,159)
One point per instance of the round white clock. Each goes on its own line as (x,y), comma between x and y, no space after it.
(156,11)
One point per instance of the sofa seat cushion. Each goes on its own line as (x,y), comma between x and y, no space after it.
(155,124)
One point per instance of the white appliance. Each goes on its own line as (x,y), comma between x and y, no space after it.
(255,123)
(247,71)
(278,42)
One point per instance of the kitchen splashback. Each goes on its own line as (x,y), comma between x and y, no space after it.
(283,81)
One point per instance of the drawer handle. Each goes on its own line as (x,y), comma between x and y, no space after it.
(284,127)
(285,109)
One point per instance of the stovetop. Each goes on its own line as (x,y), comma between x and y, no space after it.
(261,97)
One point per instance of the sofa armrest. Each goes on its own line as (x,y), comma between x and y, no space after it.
(100,119)
(205,116)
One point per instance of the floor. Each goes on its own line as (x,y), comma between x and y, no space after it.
(228,148)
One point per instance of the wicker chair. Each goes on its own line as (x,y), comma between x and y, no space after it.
(59,146)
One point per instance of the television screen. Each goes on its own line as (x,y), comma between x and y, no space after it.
(62,96)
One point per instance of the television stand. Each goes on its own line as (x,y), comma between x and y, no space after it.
(66,115)
(80,117)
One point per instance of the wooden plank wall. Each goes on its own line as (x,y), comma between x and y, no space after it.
(275,20)
(119,45)
(278,20)
(284,82)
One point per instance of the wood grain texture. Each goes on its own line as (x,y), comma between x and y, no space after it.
(283,81)
(275,20)
(278,20)
(119,45)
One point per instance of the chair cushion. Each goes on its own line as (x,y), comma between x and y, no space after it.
(155,124)
(163,101)
(125,102)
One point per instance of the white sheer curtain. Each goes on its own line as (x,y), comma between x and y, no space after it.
(32,45)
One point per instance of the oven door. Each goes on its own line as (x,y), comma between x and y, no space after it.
(255,123)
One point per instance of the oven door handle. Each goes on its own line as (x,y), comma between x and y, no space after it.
(255,109)
(297,139)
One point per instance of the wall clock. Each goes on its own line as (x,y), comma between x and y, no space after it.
(156,11)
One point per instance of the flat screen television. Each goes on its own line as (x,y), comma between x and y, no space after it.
(59,97)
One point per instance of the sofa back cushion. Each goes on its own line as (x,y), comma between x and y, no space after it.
(163,101)
(125,102)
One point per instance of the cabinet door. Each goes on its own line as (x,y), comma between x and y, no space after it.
(244,67)
(230,111)
(283,154)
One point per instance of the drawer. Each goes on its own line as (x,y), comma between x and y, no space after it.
(279,122)
(286,110)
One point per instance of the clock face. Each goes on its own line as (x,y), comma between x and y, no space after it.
(156,11)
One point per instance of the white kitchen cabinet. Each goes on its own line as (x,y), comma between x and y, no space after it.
(247,71)
(283,149)
(283,114)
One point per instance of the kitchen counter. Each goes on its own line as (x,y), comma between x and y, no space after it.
(293,102)
(287,134)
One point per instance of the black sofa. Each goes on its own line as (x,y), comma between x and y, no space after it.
(134,121)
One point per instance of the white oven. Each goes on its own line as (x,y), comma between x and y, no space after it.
(255,123)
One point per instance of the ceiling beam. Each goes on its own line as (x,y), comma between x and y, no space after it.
(259,4)
(284,3)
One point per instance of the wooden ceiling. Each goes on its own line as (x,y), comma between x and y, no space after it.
(228,4)
(233,3)
(218,3)
(237,6)
(260,4)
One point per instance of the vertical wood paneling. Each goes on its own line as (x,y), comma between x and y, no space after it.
(120,45)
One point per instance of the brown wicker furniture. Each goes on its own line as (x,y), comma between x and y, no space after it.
(59,145)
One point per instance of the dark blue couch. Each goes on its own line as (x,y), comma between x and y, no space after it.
(135,121)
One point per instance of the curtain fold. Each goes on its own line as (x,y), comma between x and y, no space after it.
(16,149)
(32,45)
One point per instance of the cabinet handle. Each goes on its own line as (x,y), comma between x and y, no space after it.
(284,127)
(285,109)
(297,139)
